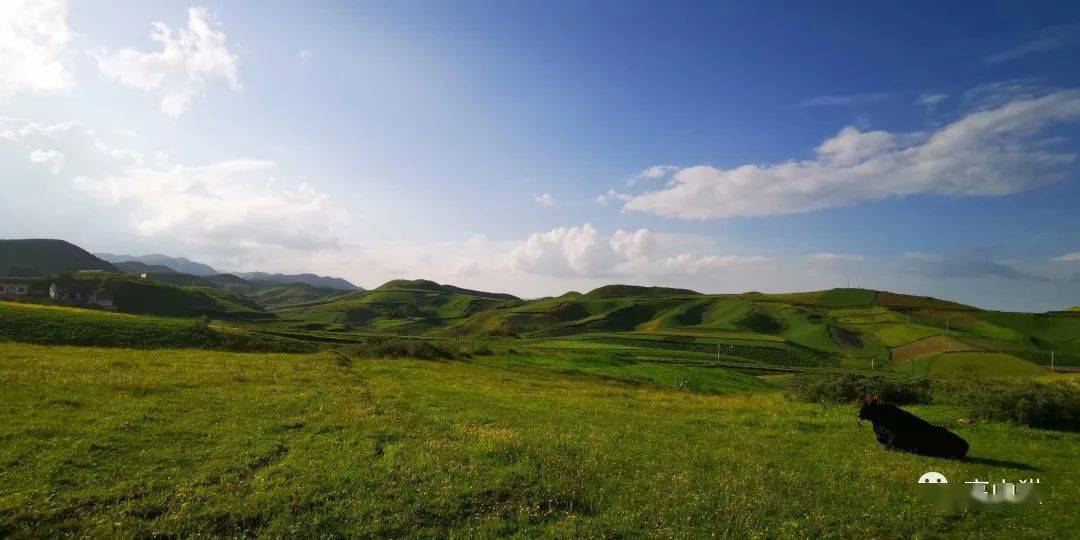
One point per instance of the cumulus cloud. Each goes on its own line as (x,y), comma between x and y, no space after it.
(545,200)
(238,203)
(57,145)
(1068,257)
(583,251)
(564,251)
(611,196)
(997,151)
(33,41)
(54,159)
(190,60)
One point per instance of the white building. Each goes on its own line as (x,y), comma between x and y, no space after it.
(14,289)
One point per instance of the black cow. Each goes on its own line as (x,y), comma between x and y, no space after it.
(897,429)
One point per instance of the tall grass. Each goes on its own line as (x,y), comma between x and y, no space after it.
(1022,401)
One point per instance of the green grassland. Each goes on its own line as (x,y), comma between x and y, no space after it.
(982,364)
(148,297)
(968,364)
(292,294)
(399,306)
(855,328)
(847,298)
(56,325)
(108,443)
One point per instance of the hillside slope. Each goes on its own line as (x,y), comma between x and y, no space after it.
(399,306)
(326,282)
(135,295)
(856,327)
(292,294)
(44,257)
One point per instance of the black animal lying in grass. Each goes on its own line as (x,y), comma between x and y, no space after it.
(897,429)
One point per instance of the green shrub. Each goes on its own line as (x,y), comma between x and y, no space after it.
(760,322)
(1050,405)
(392,347)
(850,388)
(1027,402)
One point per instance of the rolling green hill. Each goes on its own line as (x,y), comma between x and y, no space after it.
(58,325)
(325,282)
(149,297)
(399,306)
(292,294)
(180,279)
(40,257)
(230,282)
(849,328)
(136,267)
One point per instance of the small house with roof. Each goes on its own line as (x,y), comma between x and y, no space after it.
(14,289)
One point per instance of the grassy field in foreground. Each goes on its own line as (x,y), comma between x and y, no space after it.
(108,442)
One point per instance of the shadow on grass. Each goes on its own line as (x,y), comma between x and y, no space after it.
(1002,463)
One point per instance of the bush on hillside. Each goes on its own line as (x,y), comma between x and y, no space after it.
(850,388)
(1050,405)
(391,347)
(1027,402)
(759,322)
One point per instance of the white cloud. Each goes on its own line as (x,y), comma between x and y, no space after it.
(564,251)
(305,55)
(232,203)
(583,252)
(846,100)
(191,60)
(988,152)
(656,172)
(611,195)
(59,145)
(930,101)
(33,41)
(830,258)
(1068,257)
(54,159)
(545,200)
(1041,41)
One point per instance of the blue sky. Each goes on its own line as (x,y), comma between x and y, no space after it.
(503,145)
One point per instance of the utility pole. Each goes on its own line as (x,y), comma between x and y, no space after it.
(1051,360)
(717,353)
(946,324)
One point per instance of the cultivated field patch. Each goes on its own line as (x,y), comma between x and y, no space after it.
(930,346)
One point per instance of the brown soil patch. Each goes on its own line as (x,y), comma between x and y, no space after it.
(928,347)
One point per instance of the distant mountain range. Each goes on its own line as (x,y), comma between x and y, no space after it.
(164,263)
(307,279)
(177,264)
